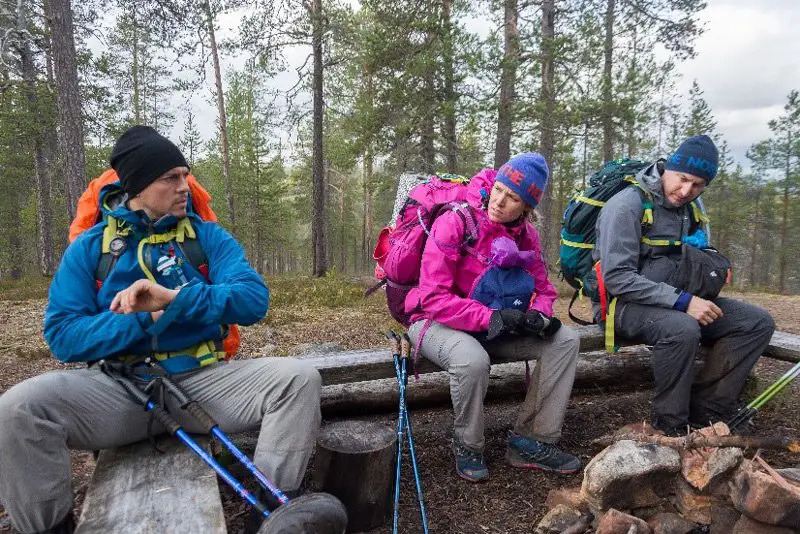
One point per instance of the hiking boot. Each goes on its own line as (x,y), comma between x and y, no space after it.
(470,465)
(529,453)
(670,430)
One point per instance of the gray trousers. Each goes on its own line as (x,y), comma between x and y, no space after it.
(45,416)
(737,341)
(467,361)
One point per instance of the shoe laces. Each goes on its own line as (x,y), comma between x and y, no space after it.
(467,454)
(534,450)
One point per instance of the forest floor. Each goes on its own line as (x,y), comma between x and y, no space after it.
(307,312)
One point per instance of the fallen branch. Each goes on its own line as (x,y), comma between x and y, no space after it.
(695,440)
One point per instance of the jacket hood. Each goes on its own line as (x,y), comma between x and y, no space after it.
(650,179)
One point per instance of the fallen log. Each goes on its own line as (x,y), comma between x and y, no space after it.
(628,369)
(376,363)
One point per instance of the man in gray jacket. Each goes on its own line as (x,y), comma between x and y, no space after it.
(673,321)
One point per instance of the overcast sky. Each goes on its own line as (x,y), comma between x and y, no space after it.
(747,62)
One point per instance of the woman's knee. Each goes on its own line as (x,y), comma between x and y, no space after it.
(469,362)
(568,339)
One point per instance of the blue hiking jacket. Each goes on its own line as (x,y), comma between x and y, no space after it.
(79,327)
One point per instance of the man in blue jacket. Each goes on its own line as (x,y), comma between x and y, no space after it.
(148,300)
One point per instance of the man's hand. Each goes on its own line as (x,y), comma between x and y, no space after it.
(704,311)
(143,296)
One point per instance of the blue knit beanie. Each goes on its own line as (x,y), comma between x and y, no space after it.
(525,174)
(697,156)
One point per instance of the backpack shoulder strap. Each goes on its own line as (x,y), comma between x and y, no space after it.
(112,247)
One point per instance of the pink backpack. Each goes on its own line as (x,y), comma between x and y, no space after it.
(398,251)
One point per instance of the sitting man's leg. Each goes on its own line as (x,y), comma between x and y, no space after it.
(281,395)
(41,419)
(675,337)
(739,338)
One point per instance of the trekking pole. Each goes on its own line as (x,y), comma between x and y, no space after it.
(405,353)
(212,427)
(175,429)
(317,512)
(394,340)
(746,413)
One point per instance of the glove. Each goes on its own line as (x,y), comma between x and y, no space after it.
(541,325)
(697,239)
(507,321)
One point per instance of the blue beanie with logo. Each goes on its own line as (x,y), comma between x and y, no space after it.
(697,156)
(525,174)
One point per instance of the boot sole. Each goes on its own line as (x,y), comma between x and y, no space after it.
(513,462)
(473,480)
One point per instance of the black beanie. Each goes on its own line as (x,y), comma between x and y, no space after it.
(141,155)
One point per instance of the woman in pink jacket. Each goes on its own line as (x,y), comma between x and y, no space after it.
(491,299)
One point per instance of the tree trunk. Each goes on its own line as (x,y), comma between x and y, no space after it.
(607,116)
(70,115)
(319,221)
(508,78)
(784,252)
(223,118)
(754,237)
(547,125)
(366,237)
(137,105)
(449,111)
(44,215)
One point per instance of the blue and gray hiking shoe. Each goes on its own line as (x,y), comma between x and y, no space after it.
(470,465)
(529,453)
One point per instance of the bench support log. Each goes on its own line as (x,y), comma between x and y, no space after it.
(137,490)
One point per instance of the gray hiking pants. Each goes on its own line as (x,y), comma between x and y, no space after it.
(467,361)
(41,418)
(737,340)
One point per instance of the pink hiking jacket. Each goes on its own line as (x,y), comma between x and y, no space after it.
(447,276)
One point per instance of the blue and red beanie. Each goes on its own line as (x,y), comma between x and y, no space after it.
(697,156)
(525,174)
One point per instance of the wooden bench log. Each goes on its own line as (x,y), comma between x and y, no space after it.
(631,368)
(137,490)
(373,364)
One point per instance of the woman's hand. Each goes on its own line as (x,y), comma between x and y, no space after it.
(143,296)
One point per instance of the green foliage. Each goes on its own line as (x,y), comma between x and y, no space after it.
(330,291)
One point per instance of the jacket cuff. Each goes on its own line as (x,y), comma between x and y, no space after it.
(682,304)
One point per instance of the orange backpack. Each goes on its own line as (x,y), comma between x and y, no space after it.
(88,214)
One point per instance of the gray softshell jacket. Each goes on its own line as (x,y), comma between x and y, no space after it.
(634,271)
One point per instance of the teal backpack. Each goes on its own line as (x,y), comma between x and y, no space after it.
(578,235)
(578,224)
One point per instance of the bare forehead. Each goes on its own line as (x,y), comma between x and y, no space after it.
(696,180)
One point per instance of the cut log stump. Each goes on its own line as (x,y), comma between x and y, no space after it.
(355,462)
